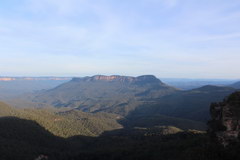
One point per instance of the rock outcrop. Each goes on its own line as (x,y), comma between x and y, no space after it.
(225,124)
(125,79)
(106,78)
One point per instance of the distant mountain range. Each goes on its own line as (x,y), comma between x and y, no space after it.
(14,86)
(33,78)
(188,84)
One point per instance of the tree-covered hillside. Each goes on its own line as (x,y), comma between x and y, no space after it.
(65,123)
(70,134)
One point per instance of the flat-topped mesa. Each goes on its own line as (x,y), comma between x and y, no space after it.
(117,78)
(104,78)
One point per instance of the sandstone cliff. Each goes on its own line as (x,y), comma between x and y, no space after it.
(225,123)
(125,79)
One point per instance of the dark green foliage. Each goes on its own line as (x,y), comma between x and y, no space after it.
(26,139)
(161,120)
(147,133)
(65,123)
(234,99)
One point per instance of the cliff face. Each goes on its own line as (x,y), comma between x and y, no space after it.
(124,79)
(225,123)
(106,78)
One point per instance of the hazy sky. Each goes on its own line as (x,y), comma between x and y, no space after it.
(167,38)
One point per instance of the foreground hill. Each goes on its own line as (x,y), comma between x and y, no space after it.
(31,133)
(69,134)
(114,94)
(65,123)
(26,139)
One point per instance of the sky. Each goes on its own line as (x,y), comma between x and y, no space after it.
(166,38)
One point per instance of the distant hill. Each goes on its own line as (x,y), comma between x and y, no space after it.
(114,94)
(188,84)
(236,85)
(193,104)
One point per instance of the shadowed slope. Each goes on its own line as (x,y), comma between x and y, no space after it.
(25,139)
(193,104)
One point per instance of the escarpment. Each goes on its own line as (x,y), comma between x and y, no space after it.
(225,123)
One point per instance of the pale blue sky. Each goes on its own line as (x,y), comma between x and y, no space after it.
(167,38)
